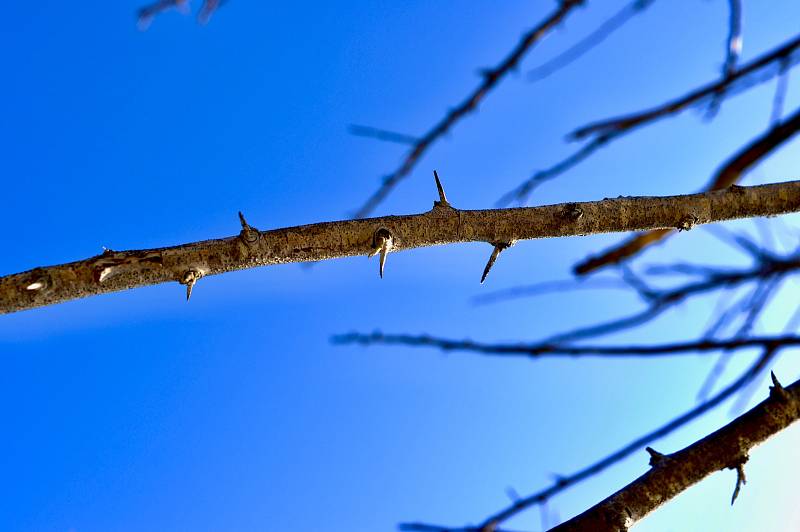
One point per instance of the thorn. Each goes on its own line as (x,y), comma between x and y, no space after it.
(741,480)
(381,243)
(777,390)
(442,197)
(189,279)
(249,234)
(656,458)
(499,247)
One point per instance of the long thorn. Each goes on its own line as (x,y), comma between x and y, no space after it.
(442,197)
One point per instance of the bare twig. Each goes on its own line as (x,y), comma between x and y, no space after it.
(589,42)
(490,79)
(547,350)
(598,134)
(381,134)
(113,271)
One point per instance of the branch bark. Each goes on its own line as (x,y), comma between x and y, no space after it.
(727,448)
(120,270)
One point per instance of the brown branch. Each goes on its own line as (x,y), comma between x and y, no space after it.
(491,78)
(547,350)
(727,175)
(563,482)
(599,134)
(187,263)
(726,448)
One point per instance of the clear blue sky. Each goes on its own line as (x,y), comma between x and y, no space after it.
(136,411)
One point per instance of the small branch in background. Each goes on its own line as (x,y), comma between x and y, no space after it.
(146,14)
(589,42)
(381,134)
(550,287)
(599,134)
(491,78)
(564,482)
(547,350)
(726,448)
(781,86)
(728,174)
(733,49)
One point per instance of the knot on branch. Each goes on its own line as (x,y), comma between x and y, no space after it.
(572,211)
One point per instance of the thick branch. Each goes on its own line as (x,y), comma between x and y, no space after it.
(491,78)
(114,271)
(727,448)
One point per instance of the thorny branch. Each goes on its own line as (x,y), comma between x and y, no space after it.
(599,134)
(563,482)
(120,270)
(730,173)
(727,448)
(490,78)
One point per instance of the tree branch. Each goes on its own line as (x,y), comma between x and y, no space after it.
(728,174)
(491,78)
(727,448)
(120,270)
(563,482)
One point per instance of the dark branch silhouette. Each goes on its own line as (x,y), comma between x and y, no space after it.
(146,14)
(589,42)
(490,78)
(599,134)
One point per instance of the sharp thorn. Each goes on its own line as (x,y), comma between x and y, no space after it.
(244,223)
(189,287)
(442,197)
(498,248)
(384,252)
(656,458)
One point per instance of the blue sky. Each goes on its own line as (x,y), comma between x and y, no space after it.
(136,411)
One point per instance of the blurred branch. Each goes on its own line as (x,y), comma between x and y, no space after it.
(146,14)
(120,270)
(598,134)
(730,173)
(563,482)
(590,41)
(490,78)
(381,134)
(548,350)
(726,448)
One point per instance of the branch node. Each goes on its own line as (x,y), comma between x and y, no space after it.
(190,277)
(442,197)
(687,222)
(499,247)
(656,458)
(248,234)
(572,211)
(382,242)
(741,478)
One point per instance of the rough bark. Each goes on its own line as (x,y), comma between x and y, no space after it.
(120,270)
(726,448)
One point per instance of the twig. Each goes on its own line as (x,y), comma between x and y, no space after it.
(589,42)
(490,79)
